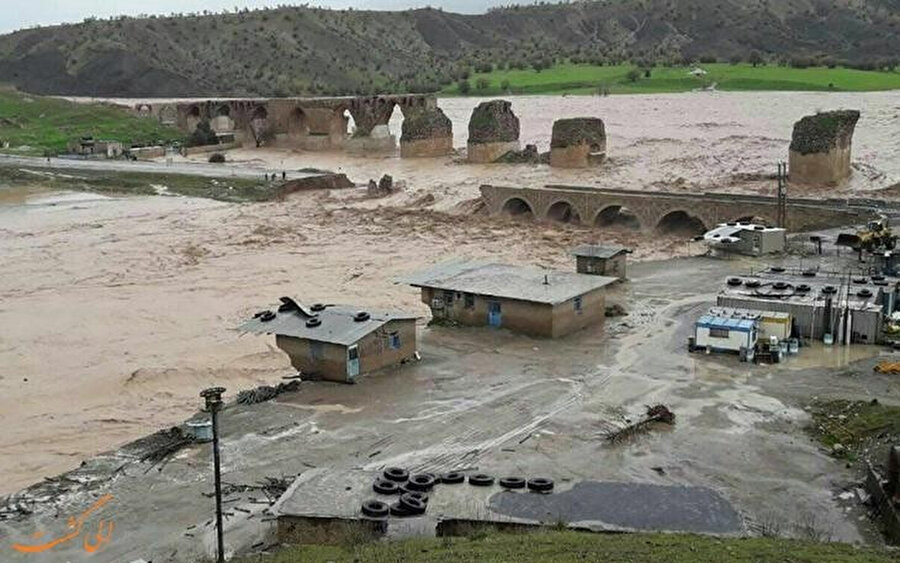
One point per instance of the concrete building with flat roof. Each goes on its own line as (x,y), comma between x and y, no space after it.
(524,299)
(851,309)
(600,260)
(336,342)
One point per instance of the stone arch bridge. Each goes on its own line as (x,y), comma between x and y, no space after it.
(650,211)
(308,123)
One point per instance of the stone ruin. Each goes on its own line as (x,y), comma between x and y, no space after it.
(578,142)
(820,148)
(493,131)
(426,133)
(384,187)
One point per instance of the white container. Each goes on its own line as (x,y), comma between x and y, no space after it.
(828,339)
(201,431)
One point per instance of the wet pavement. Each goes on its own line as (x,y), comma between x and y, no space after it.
(505,404)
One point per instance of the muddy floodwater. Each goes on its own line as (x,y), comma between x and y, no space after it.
(116,311)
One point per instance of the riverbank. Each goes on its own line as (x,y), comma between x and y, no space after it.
(563,546)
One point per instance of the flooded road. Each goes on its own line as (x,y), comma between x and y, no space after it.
(115,312)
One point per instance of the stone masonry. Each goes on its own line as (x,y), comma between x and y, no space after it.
(426,133)
(820,148)
(493,131)
(578,142)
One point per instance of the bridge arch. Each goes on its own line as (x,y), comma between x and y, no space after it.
(259,125)
(563,211)
(518,207)
(297,123)
(680,222)
(616,215)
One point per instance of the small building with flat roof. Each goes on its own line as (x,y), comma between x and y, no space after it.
(524,299)
(746,238)
(336,342)
(726,334)
(600,260)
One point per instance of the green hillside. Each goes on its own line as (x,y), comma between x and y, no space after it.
(39,125)
(591,79)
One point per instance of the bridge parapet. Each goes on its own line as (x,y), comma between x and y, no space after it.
(586,205)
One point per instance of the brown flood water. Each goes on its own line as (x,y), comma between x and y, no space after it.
(115,312)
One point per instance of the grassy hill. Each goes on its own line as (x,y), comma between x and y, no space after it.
(559,547)
(571,78)
(302,50)
(39,125)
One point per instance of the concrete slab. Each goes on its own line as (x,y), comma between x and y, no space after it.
(338,495)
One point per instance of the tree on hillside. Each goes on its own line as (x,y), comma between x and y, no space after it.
(482,83)
(633,75)
(504,85)
(755,58)
(463,86)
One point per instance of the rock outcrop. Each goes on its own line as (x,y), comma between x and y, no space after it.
(820,148)
(493,131)
(578,142)
(426,133)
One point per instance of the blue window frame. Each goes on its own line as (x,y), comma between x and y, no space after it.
(394,340)
(577,303)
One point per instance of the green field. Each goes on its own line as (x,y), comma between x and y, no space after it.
(564,546)
(589,79)
(36,125)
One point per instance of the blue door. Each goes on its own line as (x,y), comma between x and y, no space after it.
(494,315)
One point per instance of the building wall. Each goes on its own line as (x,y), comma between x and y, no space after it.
(567,319)
(375,351)
(331,364)
(734,342)
(613,267)
(809,319)
(525,317)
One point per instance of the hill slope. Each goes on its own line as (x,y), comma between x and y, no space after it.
(301,50)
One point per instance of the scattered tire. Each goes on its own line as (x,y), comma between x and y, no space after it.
(397,474)
(267,316)
(420,482)
(453,478)
(375,509)
(316,307)
(776,269)
(397,509)
(411,504)
(481,480)
(313,322)
(752,283)
(734,281)
(415,494)
(512,483)
(385,487)
(361,316)
(780,285)
(540,484)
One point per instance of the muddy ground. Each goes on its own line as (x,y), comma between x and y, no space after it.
(115,312)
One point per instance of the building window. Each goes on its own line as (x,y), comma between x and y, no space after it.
(718,333)
(577,303)
(448,298)
(470,301)
(316,351)
(394,340)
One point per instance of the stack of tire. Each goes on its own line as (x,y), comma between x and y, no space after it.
(412,490)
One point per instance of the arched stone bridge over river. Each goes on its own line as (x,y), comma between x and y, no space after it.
(306,123)
(651,211)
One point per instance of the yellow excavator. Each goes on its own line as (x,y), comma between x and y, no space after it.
(876,235)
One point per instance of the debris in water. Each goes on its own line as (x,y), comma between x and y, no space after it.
(265,393)
(655,414)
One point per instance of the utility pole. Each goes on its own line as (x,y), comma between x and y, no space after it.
(782,195)
(213,397)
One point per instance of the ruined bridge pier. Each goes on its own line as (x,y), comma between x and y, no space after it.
(315,124)
(649,211)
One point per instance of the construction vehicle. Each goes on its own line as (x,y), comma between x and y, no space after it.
(876,235)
